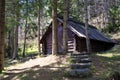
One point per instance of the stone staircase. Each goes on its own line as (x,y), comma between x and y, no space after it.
(80,64)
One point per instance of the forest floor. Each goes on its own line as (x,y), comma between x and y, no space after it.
(53,67)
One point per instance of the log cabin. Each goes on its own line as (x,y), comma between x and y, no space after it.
(76,38)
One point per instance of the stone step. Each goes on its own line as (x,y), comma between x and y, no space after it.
(80,65)
(70,44)
(80,60)
(79,72)
(80,56)
(86,58)
(70,47)
(70,50)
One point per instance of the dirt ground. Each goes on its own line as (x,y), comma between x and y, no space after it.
(47,68)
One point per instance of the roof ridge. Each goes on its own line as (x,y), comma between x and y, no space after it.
(76,21)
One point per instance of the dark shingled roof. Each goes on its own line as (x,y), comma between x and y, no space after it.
(79,29)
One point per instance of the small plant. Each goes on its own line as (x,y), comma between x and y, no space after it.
(66,74)
(76,75)
(69,60)
(113,75)
(92,69)
(1,75)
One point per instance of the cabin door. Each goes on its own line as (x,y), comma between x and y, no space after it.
(80,44)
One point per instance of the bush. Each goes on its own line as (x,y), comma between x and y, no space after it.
(113,75)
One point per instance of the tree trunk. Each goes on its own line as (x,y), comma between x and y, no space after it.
(26,29)
(15,53)
(12,42)
(2,33)
(65,27)
(9,47)
(88,11)
(68,9)
(54,28)
(24,46)
(39,36)
(86,27)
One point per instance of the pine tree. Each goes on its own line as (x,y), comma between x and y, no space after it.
(54,28)
(2,33)
(26,30)
(39,47)
(86,27)
(65,26)
(17,11)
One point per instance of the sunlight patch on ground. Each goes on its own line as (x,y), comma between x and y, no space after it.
(1,76)
(115,51)
(29,50)
(39,62)
(15,78)
(108,55)
(116,36)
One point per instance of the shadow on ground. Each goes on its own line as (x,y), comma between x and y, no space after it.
(53,71)
(100,67)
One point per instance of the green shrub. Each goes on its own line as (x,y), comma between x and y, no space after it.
(113,75)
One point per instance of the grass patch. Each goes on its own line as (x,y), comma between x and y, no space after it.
(24,77)
(112,55)
(30,54)
(30,51)
(106,63)
(2,73)
(103,66)
(110,75)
